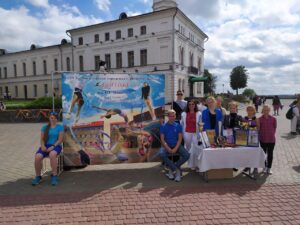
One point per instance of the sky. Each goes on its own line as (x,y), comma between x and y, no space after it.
(263,36)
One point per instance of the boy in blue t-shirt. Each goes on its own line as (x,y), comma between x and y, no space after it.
(171,138)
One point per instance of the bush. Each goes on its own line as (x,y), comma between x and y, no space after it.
(240,98)
(40,103)
(45,103)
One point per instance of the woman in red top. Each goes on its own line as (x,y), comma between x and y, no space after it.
(189,121)
(267,129)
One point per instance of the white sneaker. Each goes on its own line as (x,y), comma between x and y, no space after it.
(68,115)
(170,175)
(265,170)
(178,176)
(269,171)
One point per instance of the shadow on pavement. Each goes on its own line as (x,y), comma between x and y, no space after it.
(76,186)
(297,168)
(288,136)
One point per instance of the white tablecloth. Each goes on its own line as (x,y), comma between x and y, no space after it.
(238,157)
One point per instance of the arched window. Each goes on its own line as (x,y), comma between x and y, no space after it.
(183,85)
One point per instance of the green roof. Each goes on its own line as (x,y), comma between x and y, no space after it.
(197,79)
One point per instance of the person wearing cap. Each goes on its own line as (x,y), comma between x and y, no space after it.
(51,139)
(171,138)
(179,105)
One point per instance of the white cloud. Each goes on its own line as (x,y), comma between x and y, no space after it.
(39,3)
(263,36)
(103,5)
(20,29)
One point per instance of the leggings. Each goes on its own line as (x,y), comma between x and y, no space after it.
(268,149)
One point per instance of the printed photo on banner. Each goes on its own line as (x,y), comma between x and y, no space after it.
(112,118)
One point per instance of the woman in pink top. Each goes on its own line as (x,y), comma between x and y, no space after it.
(267,131)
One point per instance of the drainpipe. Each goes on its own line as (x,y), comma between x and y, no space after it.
(68,33)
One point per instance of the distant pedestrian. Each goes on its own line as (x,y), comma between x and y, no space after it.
(296,115)
(2,106)
(255,101)
(276,105)
(267,130)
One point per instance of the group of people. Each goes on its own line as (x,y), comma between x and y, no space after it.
(210,116)
(182,127)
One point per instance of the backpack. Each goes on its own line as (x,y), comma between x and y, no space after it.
(289,114)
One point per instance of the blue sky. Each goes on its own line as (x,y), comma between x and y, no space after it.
(264,35)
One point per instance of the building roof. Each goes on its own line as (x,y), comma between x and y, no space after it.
(131,18)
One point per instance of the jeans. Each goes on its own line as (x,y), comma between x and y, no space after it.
(183,154)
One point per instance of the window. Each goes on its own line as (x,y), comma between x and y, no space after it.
(45,66)
(118,34)
(179,85)
(107,61)
(46,89)
(107,36)
(191,59)
(130,32)
(119,60)
(55,65)
(81,63)
(97,61)
(34,90)
(143,57)
(199,65)
(24,69)
(68,64)
(15,70)
(80,41)
(16,91)
(34,68)
(130,56)
(1,90)
(143,30)
(0,73)
(181,55)
(96,38)
(5,72)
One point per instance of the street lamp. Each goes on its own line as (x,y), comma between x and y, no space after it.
(223,88)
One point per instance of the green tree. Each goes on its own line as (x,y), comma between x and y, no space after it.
(210,83)
(249,92)
(238,78)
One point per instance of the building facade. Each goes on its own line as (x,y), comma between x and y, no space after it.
(163,41)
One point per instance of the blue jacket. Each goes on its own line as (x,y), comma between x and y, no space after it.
(206,120)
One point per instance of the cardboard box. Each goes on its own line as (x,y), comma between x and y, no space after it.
(219,174)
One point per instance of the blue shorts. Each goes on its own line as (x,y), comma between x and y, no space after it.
(46,154)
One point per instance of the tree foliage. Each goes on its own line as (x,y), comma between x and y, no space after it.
(210,83)
(249,92)
(238,78)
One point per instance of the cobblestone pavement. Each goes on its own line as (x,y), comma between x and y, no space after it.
(140,193)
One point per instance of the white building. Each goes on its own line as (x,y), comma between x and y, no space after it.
(163,41)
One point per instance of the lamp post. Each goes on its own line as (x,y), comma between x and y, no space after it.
(223,88)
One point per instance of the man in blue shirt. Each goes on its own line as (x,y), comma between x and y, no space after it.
(171,138)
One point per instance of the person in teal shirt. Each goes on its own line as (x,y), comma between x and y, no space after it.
(51,139)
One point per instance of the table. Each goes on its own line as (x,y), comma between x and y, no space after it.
(238,157)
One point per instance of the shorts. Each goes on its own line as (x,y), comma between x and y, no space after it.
(58,149)
(78,92)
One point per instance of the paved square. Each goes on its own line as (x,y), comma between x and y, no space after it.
(140,193)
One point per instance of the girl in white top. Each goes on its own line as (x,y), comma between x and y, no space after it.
(189,121)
